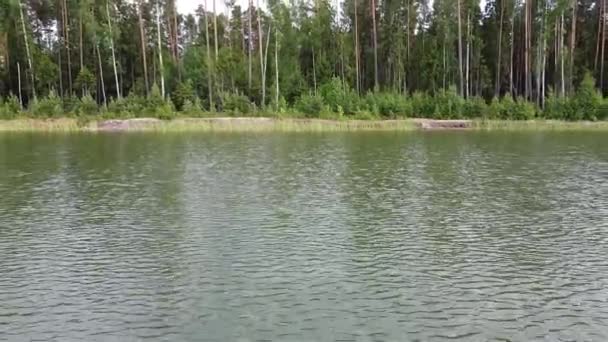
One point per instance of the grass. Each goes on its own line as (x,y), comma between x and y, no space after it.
(540,125)
(263,124)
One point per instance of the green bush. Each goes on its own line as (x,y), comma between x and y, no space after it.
(557,108)
(310,105)
(524,110)
(475,107)
(183,92)
(448,104)
(50,106)
(339,98)
(165,111)
(423,105)
(86,106)
(194,108)
(388,105)
(236,104)
(130,106)
(587,100)
(10,108)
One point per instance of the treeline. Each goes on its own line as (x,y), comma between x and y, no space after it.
(512,59)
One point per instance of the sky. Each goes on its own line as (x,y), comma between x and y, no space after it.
(188,6)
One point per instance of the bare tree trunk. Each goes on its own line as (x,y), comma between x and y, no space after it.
(27,51)
(215,31)
(113,52)
(375,35)
(276,65)
(527,40)
(314,70)
(103,86)
(160,52)
(572,45)
(460,71)
(67,43)
(468,55)
(603,45)
(142,36)
(249,45)
(499,56)
(261,43)
(561,52)
(512,54)
(209,67)
(600,28)
(357,68)
(19,83)
(268,34)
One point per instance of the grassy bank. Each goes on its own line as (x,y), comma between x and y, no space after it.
(282,125)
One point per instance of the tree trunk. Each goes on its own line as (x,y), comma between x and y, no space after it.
(142,36)
(276,65)
(249,45)
(261,46)
(512,54)
(27,51)
(375,37)
(19,83)
(499,55)
(67,44)
(572,45)
(103,86)
(160,52)
(561,52)
(460,71)
(468,56)
(603,46)
(209,66)
(215,31)
(113,52)
(357,67)
(599,31)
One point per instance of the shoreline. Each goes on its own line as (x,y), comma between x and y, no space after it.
(265,124)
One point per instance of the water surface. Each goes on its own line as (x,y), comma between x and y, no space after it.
(304,237)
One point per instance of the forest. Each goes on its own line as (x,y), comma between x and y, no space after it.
(503,59)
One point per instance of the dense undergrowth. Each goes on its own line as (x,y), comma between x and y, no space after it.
(331,101)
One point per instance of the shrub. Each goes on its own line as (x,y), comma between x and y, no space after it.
(183,92)
(557,108)
(10,108)
(389,105)
(310,105)
(587,100)
(524,110)
(49,106)
(423,105)
(236,104)
(86,106)
(338,97)
(448,104)
(130,106)
(475,107)
(494,110)
(194,108)
(165,111)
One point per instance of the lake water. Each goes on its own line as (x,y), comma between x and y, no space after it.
(304,237)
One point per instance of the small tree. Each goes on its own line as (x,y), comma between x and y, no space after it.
(587,100)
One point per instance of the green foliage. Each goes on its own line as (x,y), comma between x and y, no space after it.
(475,107)
(183,92)
(338,97)
(448,104)
(9,108)
(310,105)
(193,108)
(587,100)
(388,105)
(423,105)
(236,104)
(557,108)
(50,106)
(86,105)
(85,80)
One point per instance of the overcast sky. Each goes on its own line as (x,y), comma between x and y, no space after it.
(188,6)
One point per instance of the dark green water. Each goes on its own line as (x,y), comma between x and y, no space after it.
(296,237)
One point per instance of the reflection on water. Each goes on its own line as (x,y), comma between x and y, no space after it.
(297,237)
